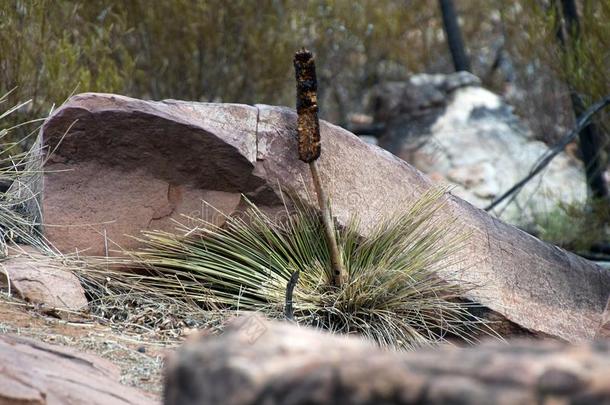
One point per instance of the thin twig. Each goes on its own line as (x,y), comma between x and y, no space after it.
(545,159)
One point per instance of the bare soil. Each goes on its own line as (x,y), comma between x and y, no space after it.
(138,355)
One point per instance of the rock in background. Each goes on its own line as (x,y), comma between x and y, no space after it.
(461,134)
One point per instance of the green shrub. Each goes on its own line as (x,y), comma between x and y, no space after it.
(575,226)
(532,27)
(393,294)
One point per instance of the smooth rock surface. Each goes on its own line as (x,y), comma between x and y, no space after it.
(37,373)
(224,150)
(451,128)
(37,280)
(126,165)
(256,362)
(604,330)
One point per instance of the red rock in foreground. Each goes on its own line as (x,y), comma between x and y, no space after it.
(256,362)
(125,165)
(37,373)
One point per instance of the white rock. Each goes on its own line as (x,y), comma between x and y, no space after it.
(478,145)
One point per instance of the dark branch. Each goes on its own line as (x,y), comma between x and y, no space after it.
(454,36)
(568,35)
(288,309)
(376,130)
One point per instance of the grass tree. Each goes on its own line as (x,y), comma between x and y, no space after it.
(384,285)
(392,294)
(308,127)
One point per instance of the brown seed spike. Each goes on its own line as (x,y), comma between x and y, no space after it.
(308,128)
(308,125)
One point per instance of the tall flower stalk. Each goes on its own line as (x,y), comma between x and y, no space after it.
(308,127)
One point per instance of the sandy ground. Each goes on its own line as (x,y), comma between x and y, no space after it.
(138,355)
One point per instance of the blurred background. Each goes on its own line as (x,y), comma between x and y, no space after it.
(241,51)
(531,53)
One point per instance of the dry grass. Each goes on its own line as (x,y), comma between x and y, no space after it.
(20,172)
(139,356)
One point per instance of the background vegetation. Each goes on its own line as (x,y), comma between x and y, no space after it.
(240,50)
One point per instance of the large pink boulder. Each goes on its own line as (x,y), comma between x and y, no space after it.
(125,165)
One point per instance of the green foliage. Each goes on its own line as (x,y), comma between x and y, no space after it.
(233,51)
(240,50)
(582,63)
(576,226)
(49,49)
(393,294)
